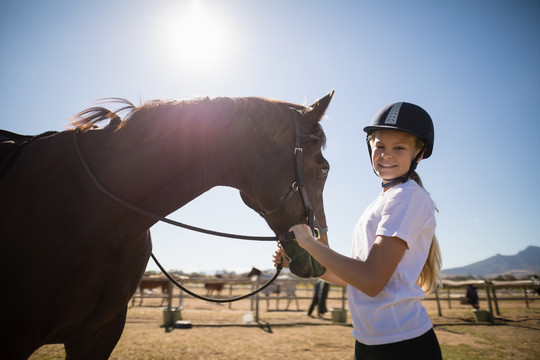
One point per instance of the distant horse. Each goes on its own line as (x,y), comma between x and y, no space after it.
(151,284)
(471,296)
(83,253)
(214,286)
(287,287)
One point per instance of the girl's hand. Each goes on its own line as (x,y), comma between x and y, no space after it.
(279,258)
(303,234)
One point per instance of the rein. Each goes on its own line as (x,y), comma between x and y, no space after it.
(156,216)
(201,297)
(289,236)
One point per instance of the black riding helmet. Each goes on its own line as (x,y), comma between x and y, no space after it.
(403,116)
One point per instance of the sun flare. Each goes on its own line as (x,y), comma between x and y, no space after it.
(196,38)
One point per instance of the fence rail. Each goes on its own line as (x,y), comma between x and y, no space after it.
(490,291)
(445,294)
(242,285)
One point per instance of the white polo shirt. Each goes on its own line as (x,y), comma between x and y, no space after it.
(396,313)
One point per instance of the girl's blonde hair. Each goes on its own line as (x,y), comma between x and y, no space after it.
(429,276)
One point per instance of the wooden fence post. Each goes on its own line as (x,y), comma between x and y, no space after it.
(181,297)
(169,297)
(257,307)
(495,300)
(253,299)
(488,285)
(343,289)
(438,303)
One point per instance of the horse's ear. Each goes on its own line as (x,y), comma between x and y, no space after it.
(318,108)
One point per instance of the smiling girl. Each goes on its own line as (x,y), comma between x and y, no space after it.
(395,255)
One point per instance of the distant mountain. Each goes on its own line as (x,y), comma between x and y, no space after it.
(526,262)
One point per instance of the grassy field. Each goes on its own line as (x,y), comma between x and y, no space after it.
(226,332)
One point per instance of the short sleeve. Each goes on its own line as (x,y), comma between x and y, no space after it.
(406,214)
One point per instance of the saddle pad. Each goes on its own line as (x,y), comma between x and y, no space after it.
(11,145)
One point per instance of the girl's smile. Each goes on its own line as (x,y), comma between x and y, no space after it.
(392,153)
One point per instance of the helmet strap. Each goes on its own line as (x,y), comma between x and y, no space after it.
(393,182)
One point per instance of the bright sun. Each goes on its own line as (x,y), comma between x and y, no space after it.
(196,38)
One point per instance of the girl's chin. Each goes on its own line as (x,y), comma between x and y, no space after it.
(390,176)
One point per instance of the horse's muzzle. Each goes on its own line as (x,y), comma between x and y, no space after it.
(301,263)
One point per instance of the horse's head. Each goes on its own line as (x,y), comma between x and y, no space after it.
(292,158)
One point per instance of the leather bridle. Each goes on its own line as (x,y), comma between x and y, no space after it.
(298,185)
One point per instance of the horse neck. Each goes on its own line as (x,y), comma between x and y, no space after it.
(165,174)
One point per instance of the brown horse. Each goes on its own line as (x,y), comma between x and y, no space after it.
(83,254)
(214,286)
(151,284)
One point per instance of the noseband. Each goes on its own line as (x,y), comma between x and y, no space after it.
(282,238)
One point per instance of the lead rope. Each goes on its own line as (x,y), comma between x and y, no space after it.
(181,287)
(284,237)
(100,186)
(201,297)
(161,218)
(152,215)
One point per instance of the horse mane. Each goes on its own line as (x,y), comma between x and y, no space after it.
(235,115)
(88,119)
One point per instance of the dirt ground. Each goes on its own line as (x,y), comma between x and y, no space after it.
(223,331)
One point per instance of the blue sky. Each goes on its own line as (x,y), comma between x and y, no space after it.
(473,65)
